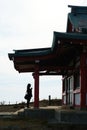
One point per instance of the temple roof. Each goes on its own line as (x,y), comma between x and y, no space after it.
(78,9)
(30,52)
(68,38)
(57,38)
(78,20)
(65,47)
(60,57)
(78,17)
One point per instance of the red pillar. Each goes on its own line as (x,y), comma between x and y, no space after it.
(36,87)
(83,81)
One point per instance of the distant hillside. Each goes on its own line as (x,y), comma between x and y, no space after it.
(42,103)
(53,102)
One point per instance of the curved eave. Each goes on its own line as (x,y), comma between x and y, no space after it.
(25,60)
(78,9)
(68,38)
(30,53)
(64,44)
(78,20)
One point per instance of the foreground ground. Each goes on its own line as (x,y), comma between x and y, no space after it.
(22,123)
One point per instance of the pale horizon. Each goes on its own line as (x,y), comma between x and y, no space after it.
(26,24)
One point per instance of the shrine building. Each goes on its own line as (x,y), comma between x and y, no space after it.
(66,57)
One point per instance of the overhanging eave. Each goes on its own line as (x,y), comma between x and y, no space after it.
(64,44)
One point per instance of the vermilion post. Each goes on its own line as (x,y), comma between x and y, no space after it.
(83,80)
(36,87)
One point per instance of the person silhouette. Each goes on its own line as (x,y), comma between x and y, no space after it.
(28,94)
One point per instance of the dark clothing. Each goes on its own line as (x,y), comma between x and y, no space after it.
(28,94)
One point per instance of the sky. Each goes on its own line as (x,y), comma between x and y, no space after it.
(26,24)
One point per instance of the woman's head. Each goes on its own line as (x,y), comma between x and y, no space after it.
(28,86)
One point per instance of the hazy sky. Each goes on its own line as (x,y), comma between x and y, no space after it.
(26,24)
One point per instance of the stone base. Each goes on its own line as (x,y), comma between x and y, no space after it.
(37,113)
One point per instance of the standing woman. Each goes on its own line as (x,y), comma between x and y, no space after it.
(28,94)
